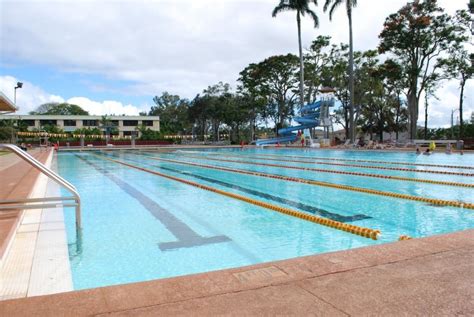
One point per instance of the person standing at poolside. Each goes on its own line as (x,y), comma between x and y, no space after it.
(448,148)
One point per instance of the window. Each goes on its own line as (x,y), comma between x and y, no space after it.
(89,123)
(48,122)
(128,133)
(30,123)
(115,123)
(69,123)
(130,123)
(148,123)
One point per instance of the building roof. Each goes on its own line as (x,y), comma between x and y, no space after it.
(6,105)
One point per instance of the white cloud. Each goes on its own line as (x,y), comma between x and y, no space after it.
(440,109)
(104,107)
(27,98)
(180,46)
(30,97)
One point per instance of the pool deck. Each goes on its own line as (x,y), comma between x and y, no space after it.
(428,276)
(17,179)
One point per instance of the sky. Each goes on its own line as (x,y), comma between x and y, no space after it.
(114,56)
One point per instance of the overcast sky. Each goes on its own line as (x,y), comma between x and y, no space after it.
(114,56)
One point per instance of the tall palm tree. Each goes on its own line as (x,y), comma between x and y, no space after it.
(349,5)
(301,7)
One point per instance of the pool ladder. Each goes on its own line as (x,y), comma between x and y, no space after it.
(45,202)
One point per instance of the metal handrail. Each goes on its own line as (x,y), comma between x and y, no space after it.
(52,175)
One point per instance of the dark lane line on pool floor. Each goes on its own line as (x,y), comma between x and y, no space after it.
(185,173)
(187,238)
(337,225)
(453,203)
(304,207)
(308,208)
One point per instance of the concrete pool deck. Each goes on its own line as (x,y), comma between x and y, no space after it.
(428,276)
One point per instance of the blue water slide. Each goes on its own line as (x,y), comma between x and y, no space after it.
(309,118)
(311,106)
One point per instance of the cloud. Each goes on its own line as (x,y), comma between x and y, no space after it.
(445,103)
(30,97)
(180,46)
(104,107)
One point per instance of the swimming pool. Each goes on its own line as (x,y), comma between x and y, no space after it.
(156,214)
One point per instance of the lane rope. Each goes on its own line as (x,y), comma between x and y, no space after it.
(366,166)
(366,161)
(399,178)
(357,230)
(440,202)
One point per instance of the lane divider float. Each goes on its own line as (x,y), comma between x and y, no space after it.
(433,201)
(399,178)
(365,166)
(357,230)
(364,161)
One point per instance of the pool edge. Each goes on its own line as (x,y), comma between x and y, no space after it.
(228,287)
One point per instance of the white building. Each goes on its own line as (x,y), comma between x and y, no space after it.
(125,125)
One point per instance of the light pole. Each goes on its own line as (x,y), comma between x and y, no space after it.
(18,85)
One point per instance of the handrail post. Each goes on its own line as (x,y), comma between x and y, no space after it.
(52,175)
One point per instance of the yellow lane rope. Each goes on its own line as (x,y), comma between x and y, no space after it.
(357,230)
(366,166)
(399,178)
(433,201)
(364,161)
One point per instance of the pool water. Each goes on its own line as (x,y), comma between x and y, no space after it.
(140,226)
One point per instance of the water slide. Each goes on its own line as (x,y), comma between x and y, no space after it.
(309,118)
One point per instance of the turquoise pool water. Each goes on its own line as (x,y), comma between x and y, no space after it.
(139,226)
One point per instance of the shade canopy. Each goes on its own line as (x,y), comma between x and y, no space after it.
(6,105)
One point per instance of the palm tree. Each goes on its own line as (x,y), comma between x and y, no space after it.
(349,5)
(301,7)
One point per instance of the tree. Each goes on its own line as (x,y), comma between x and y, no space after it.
(430,91)
(55,108)
(108,127)
(301,7)
(316,64)
(394,83)
(459,65)
(337,77)
(9,127)
(148,134)
(219,98)
(274,80)
(417,35)
(370,94)
(349,5)
(173,112)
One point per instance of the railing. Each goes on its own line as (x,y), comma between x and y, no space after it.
(46,202)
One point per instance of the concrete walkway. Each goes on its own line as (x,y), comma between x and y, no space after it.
(17,178)
(430,276)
